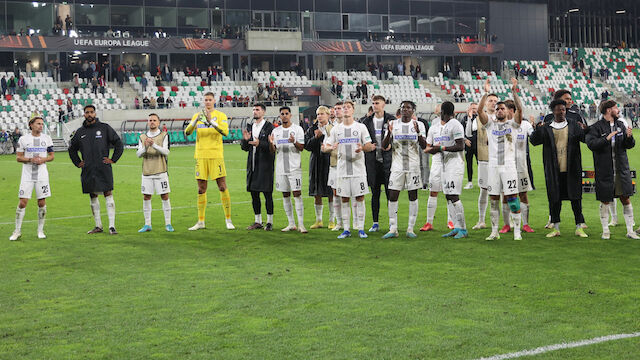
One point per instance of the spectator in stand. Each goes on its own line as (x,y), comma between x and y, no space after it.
(102,84)
(3,84)
(169,103)
(76,83)
(161,102)
(60,114)
(604,96)
(94,86)
(146,102)
(418,72)
(144,82)
(358,90)
(158,80)
(12,85)
(22,85)
(591,73)
(400,68)
(28,68)
(136,102)
(153,103)
(339,90)
(68,24)
(15,136)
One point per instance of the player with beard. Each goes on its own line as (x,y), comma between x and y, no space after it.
(93,140)
(503,173)
(406,139)
(333,170)
(482,147)
(609,139)
(288,142)
(449,143)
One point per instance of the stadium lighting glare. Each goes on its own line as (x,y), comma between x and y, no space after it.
(73,34)
(77,52)
(621,11)
(574,10)
(35,4)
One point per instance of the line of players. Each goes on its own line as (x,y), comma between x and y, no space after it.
(393,149)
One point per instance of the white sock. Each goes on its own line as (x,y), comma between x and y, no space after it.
(270,219)
(361,211)
(451,213)
(166,209)
(432,205)
(257,218)
(95,209)
(505,214)
(627,210)
(345,207)
(604,217)
(355,224)
(318,209)
(613,210)
(556,226)
(393,216)
(413,214)
(42,212)
(524,210)
(332,213)
(19,216)
(111,210)
(300,210)
(288,210)
(146,210)
(495,215)
(459,209)
(483,201)
(337,208)
(515,221)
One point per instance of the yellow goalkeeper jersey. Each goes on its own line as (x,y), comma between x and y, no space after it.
(208,139)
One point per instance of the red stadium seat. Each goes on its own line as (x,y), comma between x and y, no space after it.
(8,97)
(161,88)
(203,83)
(59,102)
(65,91)
(534,98)
(174,88)
(443,87)
(428,95)
(530,82)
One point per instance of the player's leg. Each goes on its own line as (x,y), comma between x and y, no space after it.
(393,214)
(524,210)
(220,174)
(95,209)
(257,208)
(604,219)
(111,211)
(627,211)
(268,204)
(332,213)
(556,209)
(202,202)
(376,190)
(42,212)
(359,189)
(452,191)
(337,209)
(344,190)
(295,182)
(483,196)
(166,210)
(576,207)
(469,161)
(318,208)
(146,212)
(435,186)
(413,212)
(494,186)
(613,212)
(288,211)
(514,206)
(20,211)
(506,218)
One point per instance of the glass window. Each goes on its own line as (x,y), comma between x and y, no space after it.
(400,7)
(91,14)
(345,21)
(399,23)
(385,22)
(238,17)
(358,22)
(192,18)
(287,5)
(306,5)
(181,61)
(378,6)
(263,5)
(213,4)
(354,6)
(202,4)
(126,2)
(288,20)
(327,21)
(466,25)
(160,17)
(206,60)
(22,15)
(466,9)
(419,8)
(126,15)
(162,3)
(441,25)
(442,9)
(374,23)
(424,24)
(238,4)
(328,5)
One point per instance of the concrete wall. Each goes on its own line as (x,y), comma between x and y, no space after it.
(522,27)
(274,40)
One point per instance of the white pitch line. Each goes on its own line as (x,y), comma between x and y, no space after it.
(126,212)
(548,348)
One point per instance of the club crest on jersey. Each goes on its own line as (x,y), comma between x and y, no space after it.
(355,132)
(98,133)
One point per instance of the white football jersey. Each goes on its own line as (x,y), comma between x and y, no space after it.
(350,163)
(287,156)
(502,147)
(522,137)
(446,135)
(32,147)
(434,132)
(405,147)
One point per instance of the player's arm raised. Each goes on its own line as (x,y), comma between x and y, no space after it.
(482,116)
(386,142)
(192,125)
(516,99)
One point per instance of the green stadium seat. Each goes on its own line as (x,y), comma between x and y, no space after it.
(74,101)
(172,93)
(111,101)
(158,93)
(200,88)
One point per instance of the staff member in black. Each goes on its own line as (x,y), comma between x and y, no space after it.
(470,124)
(562,160)
(93,141)
(608,139)
(378,162)
(255,140)
(319,165)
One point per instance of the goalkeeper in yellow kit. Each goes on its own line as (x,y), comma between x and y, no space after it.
(210,126)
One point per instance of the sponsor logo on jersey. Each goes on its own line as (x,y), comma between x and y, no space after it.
(349,141)
(501,132)
(282,141)
(406,137)
(521,137)
(441,138)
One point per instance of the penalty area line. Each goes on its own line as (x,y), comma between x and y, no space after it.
(561,346)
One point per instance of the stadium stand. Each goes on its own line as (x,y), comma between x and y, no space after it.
(621,63)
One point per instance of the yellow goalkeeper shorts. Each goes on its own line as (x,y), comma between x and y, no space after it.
(210,169)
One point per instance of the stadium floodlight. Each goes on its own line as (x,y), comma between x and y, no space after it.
(621,11)
(574,10)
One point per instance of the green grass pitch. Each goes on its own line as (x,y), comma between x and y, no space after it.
(218,294)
